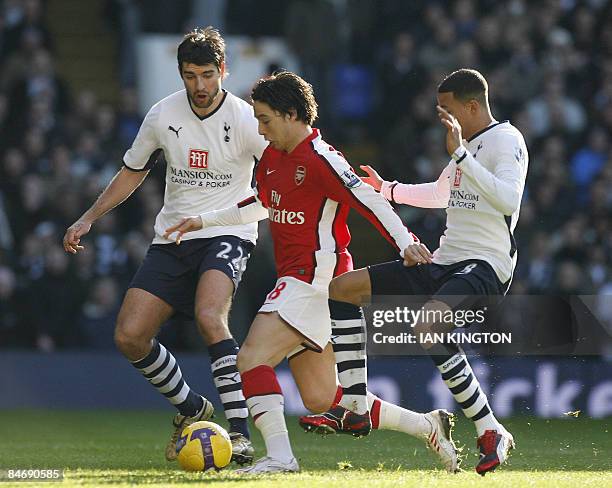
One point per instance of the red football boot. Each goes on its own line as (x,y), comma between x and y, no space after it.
(337,420)
(494,450)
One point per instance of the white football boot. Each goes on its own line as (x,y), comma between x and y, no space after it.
(440,440)
(267,465)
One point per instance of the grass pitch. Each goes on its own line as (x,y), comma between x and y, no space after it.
(113,448)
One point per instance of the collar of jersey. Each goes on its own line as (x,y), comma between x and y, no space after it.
(488,127)
(305,141)
(211,113)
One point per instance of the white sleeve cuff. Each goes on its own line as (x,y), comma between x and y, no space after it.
(459,154)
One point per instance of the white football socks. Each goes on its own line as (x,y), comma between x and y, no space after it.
(274,432)
(394,417)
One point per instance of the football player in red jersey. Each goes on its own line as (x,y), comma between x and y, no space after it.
(306,188)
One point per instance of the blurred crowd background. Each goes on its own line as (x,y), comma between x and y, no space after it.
(375,66)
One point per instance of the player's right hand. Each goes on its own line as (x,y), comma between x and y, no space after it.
(453,129)
(416,254)
(187,224)
(373,179)
(72,237)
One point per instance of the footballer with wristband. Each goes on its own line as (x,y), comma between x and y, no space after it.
(481,189)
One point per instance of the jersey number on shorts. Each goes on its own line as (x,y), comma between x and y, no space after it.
(224,254)
(274,294)
(239,262)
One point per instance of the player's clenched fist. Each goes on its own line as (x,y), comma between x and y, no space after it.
(417,254)
(188,224)
(72,237)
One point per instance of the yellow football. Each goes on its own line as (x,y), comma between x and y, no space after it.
(203,446)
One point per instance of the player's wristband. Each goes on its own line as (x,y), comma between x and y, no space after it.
(208,218)
(386,189)
(459,154)
(391,189)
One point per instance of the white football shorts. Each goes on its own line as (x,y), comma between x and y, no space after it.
(305,308)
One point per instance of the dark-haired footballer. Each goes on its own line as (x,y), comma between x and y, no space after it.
(210,142)
(305,189)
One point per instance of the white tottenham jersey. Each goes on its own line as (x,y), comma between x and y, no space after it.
(482,195)
(209,159)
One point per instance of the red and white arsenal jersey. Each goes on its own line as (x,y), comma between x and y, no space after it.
(308,194)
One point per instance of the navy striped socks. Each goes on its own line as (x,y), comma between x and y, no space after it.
(348,343)
(229,384)
(462,383)
(160,369)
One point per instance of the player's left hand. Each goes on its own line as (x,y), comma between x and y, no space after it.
(453,130)
(187,224)
(373,179)
(417,254)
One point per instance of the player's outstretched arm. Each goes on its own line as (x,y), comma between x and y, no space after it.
(344,186)
(245,212)
(118,190)
(424,195)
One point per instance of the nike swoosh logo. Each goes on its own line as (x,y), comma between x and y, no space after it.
(269,172)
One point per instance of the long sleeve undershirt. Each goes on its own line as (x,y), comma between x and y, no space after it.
(424,195)
(247,211)
(501,189)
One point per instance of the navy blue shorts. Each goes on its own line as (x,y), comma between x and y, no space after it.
(172,272)
(458,285)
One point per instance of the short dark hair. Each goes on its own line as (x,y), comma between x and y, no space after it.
(465,84)
(202,46)
(286,92)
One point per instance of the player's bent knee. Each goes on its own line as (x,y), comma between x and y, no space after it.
(212,325)
(435,312)
(421,329)
(246,363)
(340,289)
(133,346)
(208,319)
(317,404)
(335,289)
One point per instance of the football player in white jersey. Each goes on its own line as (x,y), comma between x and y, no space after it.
(481,189)
(210,142)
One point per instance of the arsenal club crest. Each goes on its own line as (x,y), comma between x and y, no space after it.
(300,175)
